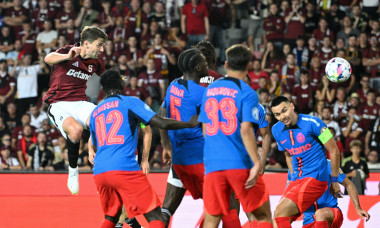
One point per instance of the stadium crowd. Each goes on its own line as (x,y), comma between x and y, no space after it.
(291,41)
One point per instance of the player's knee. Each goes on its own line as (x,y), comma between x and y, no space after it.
(321,215)
(75,132)
(278,212)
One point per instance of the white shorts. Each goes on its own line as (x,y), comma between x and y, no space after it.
(79,110)
(173,179)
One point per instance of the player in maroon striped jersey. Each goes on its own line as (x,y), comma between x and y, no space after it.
(68,108)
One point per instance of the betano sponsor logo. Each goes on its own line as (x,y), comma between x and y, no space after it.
(298,150)
(78,74)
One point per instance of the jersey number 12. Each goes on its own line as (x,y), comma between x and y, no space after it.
(114,117)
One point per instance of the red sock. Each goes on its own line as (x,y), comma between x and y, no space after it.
(321,224)
(265,225)
(283,222)
(156,224)
(107,224)
(231,220)
(253,224)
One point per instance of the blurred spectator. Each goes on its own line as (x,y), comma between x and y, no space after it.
(17,132)
(371,62)
(37,116)
(368,111)
(28,39)
(285,51)
(334,16)
(11,117)
(152,82)
(15,16)
(327,119)
(176,39)
(318,109)
(371,7)
(275,85)
(256,73)
(122,65)
(316,72)
(134,55)
(109,56)
(51,133)
(352,129)
(136,21)
(271,59)
(159,15)
(264,97)
(257,12)
(340,44)
(13,55)
(83,163)
(71,34)
(105,20)
(295,18)
(119,35)
(372,137)
(263,83)
(161,55)
(133,90)
(325,53)
(8,162)
(40,154)
(41,15)
(363,41)
(349,84)
(59,147)
(274,26)
(290,73)
(64,15)
(284,6)
(26,75)
(86,15)
(6,41)
(323,30)
(7,85)
(365,88)
(375,29)
(24,144)
(355,167)
(354,101)
(360,20)
(6,141)
(301,52)
(148,40)
(3,127)
(312,49)
(353,55)
(173,11)
(119,10)
(373,160)
(347,30)
(302,93)
(340,107)
(312,18)
(46,39)
(194,22)
(63,164)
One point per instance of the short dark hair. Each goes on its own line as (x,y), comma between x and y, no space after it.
(92,33)
(208,51)
(278,100)
(238,57)
(304,71)
(188,60)
(111,80)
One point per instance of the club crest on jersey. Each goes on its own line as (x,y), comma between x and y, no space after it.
(300,138)
(255,113)
(76,64)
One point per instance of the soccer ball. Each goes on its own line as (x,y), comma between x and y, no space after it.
(338,70)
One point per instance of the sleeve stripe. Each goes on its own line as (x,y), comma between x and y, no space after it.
(325,136)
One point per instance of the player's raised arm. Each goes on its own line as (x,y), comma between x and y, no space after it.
(55,57)
(353,193)
(165,123)
(165,141)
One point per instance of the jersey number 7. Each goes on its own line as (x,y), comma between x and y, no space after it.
(228,109)
(116,118)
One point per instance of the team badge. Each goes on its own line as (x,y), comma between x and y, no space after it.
(255,113)
(300,138)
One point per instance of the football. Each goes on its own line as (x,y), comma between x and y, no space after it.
(338,70)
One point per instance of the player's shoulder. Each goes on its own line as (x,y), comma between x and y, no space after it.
(277,128)
(310,120)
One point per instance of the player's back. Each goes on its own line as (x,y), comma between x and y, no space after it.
(68,78)
(182,101)
(302,143)
(226,104)
(114,127)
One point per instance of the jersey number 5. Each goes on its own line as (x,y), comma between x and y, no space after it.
(114,117)
(228,109)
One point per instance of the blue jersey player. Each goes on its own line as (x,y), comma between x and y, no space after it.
(305,139)
(325,212)
(119,179)
(229,111)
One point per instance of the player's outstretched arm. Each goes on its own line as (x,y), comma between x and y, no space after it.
(332,147)
(353,193)
(165,123)
(165,141)
(54,57)
(249,141)
(147,141)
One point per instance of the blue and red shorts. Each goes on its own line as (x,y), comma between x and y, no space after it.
(304,192)
(337,222)
(218,186)
(192,177)
(130,188)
